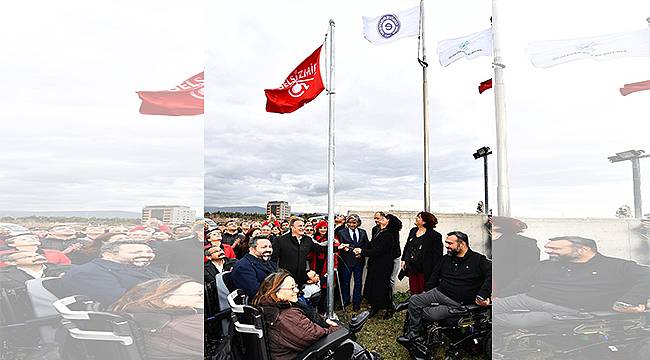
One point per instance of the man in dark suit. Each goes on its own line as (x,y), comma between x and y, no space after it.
(250,270)
(123,264)
(351,238)
(290,251)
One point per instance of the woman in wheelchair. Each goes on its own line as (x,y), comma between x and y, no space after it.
(292,326)
(170,311)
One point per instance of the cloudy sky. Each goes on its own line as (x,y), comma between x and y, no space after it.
(563,122)
(72,137)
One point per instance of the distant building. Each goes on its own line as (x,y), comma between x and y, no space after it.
(280,209)
(169,214)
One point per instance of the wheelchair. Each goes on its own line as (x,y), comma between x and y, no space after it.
(468,329)
(95,335)
(28,321)
(585,335)
(251,339)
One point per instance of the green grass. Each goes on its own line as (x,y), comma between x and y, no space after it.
(379,335)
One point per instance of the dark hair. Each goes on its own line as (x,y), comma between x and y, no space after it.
(93,249)
(394,224)
(354,217)
(430,220)
(460,236)
(293,221)
(577,241)
(244,245)
(114,247)
(253,241)
(508,225)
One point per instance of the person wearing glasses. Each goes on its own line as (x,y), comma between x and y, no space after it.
(292,325)
(170,313)
(309,230)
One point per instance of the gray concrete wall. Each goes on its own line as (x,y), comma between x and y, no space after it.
(615,237)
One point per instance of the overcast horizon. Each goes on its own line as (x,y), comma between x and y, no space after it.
(73,137)
(563,122)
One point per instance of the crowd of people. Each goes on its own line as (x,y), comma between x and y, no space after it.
(141,269)
(281,266)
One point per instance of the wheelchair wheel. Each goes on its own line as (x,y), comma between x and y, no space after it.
(487,345)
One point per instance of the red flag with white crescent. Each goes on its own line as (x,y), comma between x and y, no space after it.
(303,85)
(184,99)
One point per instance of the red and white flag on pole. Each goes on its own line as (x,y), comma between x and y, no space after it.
(184,99)
(301,86)
(634,87)
(487,84)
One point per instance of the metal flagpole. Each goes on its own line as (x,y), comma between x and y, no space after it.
(425,112)
(330,181)
(503,186)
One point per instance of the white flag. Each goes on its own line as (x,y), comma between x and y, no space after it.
(470,46)
(390,27)
(545,54)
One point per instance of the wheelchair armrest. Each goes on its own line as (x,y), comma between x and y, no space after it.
(77,333)
(574,317)
(464,309)
(358,321)
(327,342)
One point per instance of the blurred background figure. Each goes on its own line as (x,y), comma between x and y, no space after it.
(512,253)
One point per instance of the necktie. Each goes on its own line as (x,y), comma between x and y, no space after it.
(354,236)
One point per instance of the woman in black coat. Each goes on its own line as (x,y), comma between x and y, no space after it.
(377,288)
(423,250)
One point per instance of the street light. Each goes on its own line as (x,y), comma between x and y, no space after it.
(633,156)
(483,153)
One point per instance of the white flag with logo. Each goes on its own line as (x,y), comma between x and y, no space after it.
(544,54)
(390,27)
(470,47)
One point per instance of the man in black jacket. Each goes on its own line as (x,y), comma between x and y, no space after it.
(249,272)
(183,256)
(290,252)
(575,278)
(462,277)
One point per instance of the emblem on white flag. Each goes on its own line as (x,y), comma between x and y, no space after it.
(544,54)
(390,27)
(470,47)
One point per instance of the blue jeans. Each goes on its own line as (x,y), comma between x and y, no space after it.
(345,275)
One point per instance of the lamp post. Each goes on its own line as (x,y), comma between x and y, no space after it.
(483,153)
(633,156)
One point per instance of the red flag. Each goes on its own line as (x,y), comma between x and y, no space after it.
(634,87)
(487,84)
(301,86)
(184,99)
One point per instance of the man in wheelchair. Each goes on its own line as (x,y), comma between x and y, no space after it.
(462,277)
(578,288)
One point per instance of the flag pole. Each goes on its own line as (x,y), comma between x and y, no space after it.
(330,180)
(503,186)
(425,112)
